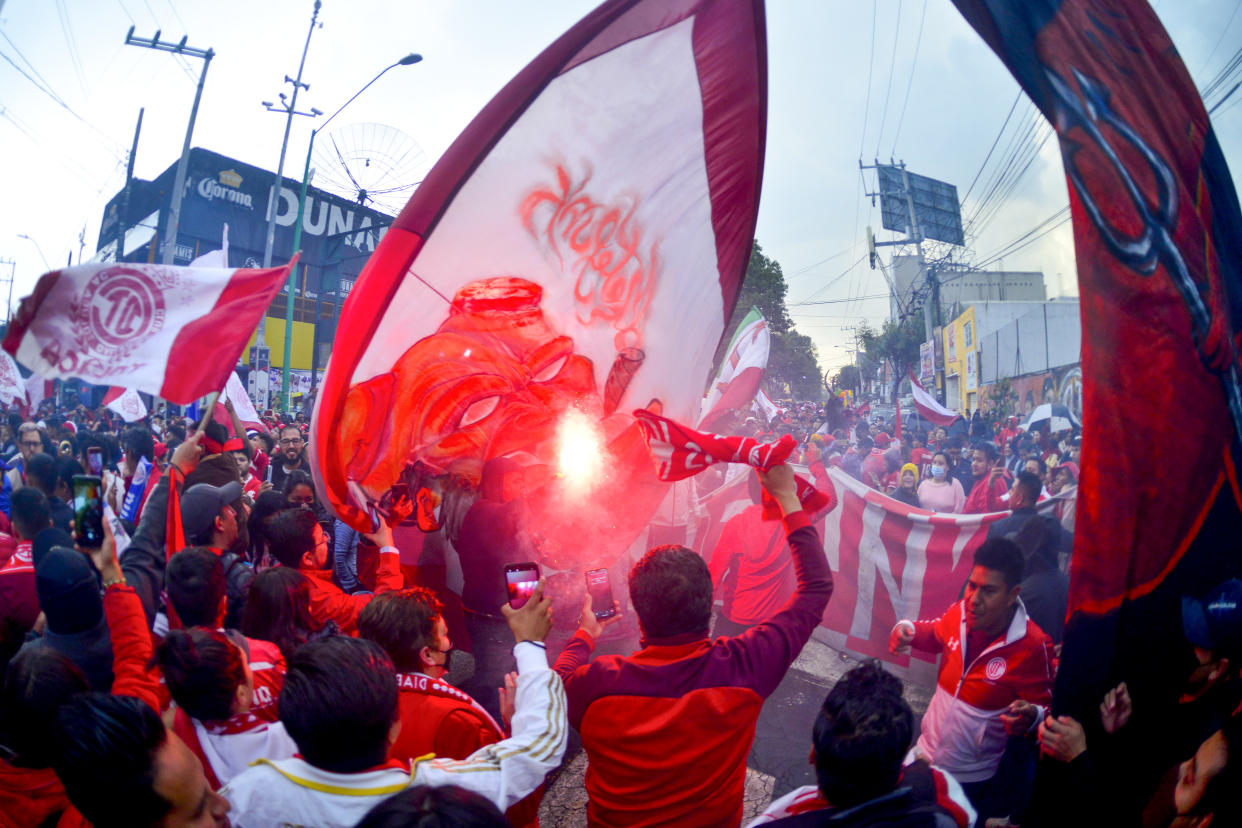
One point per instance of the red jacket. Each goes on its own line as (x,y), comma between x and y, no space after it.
(962,731)
(667,729)
(752,562)
(328,602)
(19,602)
(983,498)
(437,718)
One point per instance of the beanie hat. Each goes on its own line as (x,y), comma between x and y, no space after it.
(910,467)
(68,590)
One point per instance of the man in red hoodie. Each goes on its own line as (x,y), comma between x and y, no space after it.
(992,482)
(296,540)
(649,720)
(751,568)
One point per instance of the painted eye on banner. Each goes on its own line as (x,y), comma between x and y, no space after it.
(549,372)
(479,410)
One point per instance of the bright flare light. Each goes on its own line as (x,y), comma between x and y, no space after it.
(579,451)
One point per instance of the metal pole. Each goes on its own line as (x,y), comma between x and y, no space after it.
(174,212)
(123,219)
(273,201)
(408,60)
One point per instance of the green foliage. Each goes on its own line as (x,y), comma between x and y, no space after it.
(793,363)
(1003,399)
(847,377)
(896,344)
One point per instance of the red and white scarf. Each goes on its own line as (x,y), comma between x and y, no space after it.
(683,452)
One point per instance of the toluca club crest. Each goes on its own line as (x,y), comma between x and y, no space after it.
(120,310)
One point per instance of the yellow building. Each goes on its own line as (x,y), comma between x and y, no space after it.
(961,363)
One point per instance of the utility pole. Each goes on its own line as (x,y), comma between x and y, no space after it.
(174,212)
(123,218)
(273,202)
(8,308)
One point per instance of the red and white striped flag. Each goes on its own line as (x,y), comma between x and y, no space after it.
(126,402)
(171,331)
(929,406)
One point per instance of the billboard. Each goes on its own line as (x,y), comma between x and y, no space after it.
(337,234)
(936,208)
(927,362)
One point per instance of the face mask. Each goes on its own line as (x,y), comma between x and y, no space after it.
(938,471)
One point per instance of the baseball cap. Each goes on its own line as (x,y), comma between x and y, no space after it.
(882,439)
(1215,622)
(202,502)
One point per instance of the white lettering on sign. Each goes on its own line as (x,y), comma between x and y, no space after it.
(211,190)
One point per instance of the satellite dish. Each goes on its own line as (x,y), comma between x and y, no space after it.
(374,165)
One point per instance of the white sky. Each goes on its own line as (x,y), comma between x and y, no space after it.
(58,170)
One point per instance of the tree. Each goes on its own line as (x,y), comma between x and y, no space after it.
(896,344)
(793,362)
(847,377)
(793,365)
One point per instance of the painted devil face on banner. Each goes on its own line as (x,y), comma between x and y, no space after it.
(492,381)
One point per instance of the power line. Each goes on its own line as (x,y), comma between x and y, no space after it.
(839,301)
(1004,248)
(1014,247)
(870,65)
(820,262)
(71,43)
(829,283)
(892,70)
(1221,39)
(991,149)
(910,83)
(61,103)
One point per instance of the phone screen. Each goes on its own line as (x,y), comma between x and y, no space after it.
(521,580)
(600,590)
(88,510)
(94,459)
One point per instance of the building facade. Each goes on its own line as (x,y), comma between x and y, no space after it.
(338,236)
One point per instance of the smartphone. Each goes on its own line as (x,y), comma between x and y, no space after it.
(521,580)
(600,590)
(88,510)
(94,461)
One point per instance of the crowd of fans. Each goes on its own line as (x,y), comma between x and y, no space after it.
(229,652)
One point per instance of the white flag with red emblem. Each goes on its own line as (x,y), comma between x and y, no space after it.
(127,402)
(11,385)
(175,332)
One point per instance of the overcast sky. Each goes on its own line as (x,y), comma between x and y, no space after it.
(59,167)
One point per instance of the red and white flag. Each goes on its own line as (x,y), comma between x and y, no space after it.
(242,404)
(740,371)
(175,332)
(37,389)
(127,402)
(929,406)
(11,385)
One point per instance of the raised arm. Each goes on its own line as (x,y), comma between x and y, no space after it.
(509,770)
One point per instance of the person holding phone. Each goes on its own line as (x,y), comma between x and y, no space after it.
(667,730)
(991,490)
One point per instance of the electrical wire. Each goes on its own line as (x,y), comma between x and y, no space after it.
(870,66)
(918,41)
(992,149)
(892,70)
(828,284)
(71,44)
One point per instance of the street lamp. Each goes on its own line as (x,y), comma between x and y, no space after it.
(408,60)
(37,247)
